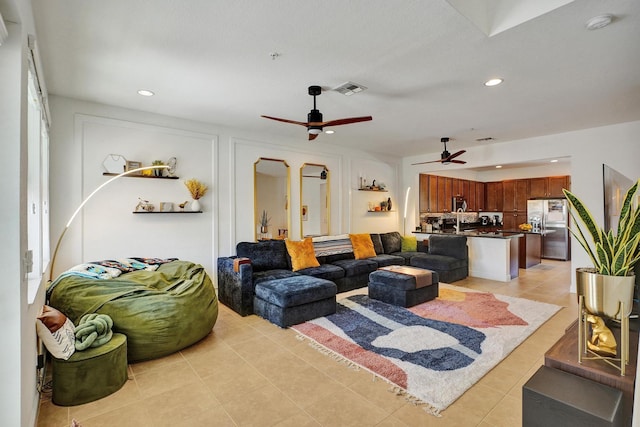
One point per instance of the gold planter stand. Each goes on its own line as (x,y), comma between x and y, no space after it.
(583,331)
(606,296)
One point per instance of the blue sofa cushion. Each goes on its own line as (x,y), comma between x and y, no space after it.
(438,262)
(332,259)
(295,290)
(392,242)
(353,267)
(266,255)
(377,243)
(385,260)
(325,271)
(453,246)
(406,256)
(262,276)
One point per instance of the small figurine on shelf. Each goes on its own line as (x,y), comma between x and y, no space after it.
(144,205)
(182,205)
(389,203)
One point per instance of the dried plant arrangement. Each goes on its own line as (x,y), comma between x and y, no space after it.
(196,188)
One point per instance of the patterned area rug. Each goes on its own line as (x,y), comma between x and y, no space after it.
(432,352)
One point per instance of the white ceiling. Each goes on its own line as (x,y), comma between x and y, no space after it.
(423,62)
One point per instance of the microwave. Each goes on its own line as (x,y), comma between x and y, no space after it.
(458,202)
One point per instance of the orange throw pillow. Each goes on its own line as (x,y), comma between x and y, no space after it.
(362,246)
(302,254)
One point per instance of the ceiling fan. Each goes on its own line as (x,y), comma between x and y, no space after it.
(314,123)
(446,157)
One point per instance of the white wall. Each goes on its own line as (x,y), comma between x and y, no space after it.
(110,229)
(18,395)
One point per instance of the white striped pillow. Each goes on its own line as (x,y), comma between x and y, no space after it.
(332,245)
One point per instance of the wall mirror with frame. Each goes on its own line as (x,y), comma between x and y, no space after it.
(272,192)
(315,200)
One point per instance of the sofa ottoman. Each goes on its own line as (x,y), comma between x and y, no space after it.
(403,286)
(296,299)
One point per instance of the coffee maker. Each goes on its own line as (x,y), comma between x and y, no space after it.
(496,220)
(484,220)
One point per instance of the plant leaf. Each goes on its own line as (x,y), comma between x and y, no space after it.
(626,209)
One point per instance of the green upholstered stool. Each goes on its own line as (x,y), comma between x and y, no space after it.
(90,374)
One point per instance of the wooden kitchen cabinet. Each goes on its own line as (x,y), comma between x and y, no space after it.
(493,196)
(464,187)
(522,194)
(433,193)
(538,187)
(445,186)
(548,186)
(511,220)
(424,192)
(556,184)
(515,195)
(470,196)
(480,198)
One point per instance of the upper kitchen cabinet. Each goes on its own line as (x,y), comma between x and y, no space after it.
(423,191)
(548,186)
(493,196)
(445,193)
(515,195)
(480,198)
(470,196)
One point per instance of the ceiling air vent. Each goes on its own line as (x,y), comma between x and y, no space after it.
(349,88)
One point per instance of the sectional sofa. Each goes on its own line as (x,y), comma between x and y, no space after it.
(260,262)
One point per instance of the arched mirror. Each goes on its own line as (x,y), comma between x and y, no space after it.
(315,211)
(271,198)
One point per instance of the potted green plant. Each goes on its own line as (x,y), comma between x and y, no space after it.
(611,280)
(157,172)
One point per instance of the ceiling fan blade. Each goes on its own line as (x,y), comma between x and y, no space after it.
(313,136)
(422,163)
(286,121)
(454,155)
(347,121)
(462,162)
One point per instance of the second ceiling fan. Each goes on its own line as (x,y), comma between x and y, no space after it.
(446,157)
(314,123)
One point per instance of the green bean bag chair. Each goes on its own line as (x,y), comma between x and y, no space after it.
(160,311)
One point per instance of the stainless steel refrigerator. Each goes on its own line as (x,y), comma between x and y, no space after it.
(550,217)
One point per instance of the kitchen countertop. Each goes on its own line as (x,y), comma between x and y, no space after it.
(541,233)
(492,234)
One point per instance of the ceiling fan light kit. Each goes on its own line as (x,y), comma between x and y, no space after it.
(314,123)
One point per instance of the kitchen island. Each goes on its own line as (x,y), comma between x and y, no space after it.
(493,255)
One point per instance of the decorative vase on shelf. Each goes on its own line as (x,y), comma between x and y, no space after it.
(389,203)
(195,205)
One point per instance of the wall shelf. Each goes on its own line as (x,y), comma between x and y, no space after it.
(380,211)
(377,191)
(172,212)
(141,176)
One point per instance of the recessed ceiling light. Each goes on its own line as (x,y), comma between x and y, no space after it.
(493,82)
(499,167)
(553,161)
(145,92)
(329,131)
(598,22)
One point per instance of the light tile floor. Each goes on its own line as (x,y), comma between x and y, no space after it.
(248,372)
